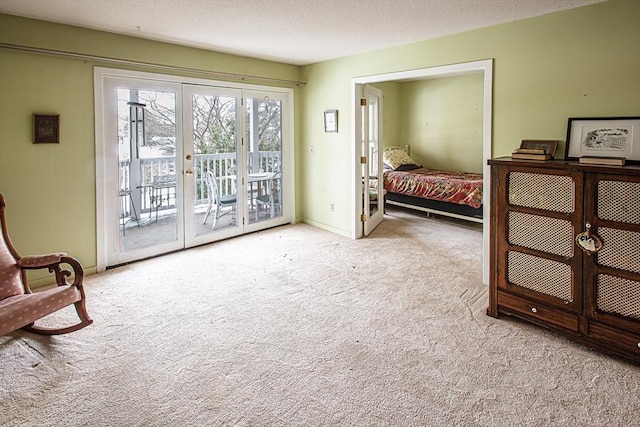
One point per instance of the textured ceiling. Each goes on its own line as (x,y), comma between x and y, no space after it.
(291,31)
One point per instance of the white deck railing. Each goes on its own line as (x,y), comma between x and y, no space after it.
(155,169)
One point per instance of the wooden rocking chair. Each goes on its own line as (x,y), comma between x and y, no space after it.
(19,306)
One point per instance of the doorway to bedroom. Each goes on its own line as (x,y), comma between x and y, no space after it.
(482,68)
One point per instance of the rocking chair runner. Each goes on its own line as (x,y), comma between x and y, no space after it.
(19,306)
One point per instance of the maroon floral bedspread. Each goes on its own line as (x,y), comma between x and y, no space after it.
(453,187)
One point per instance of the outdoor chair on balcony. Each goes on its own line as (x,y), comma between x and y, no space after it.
(220,202)
(271,198)
(163,191)
(19,306)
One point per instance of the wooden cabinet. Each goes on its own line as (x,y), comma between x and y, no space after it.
(541,274)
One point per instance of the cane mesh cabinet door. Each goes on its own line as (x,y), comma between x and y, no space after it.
(538,269)
(612,275)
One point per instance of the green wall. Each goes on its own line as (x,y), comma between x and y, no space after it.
(441,120)
(583,62)
(50,188)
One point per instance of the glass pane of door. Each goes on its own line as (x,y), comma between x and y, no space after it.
(211,163)
(372,179)
(147,184)
(375,199)
(263,140)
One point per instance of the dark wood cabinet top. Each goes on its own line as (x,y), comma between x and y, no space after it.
(632,169)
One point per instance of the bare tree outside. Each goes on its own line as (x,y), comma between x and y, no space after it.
(269,128)
(214,124)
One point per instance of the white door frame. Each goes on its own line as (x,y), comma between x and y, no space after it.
(485,67)
(288,185)
(107,181)
(371,221)
(188,91)
(105,202)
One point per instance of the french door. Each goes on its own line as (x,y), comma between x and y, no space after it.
(233,179)
(211,159)
(370,131)
(181,164)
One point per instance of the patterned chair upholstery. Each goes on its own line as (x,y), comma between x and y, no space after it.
(19,306)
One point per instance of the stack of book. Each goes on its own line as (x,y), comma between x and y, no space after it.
(531,154)
(593,160)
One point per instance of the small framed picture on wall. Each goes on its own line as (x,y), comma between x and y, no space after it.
(331,121)
(46,128)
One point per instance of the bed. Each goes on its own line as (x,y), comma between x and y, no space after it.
(450,193)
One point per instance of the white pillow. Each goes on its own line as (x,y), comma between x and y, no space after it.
(397,157)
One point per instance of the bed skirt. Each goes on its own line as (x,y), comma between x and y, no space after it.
(465,212)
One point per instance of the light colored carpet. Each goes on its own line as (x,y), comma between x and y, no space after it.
(298,326)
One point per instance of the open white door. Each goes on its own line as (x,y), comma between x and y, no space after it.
(371,160)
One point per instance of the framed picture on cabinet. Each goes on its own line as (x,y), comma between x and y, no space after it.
(549,147)
(617,137)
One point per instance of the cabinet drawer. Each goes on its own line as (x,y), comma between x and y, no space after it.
(626,341)
(538,311)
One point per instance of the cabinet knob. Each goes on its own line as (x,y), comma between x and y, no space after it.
(535,310)
(639,345)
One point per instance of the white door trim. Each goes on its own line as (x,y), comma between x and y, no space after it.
(485,67)
(103,201)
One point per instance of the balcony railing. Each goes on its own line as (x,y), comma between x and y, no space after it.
(162,169)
